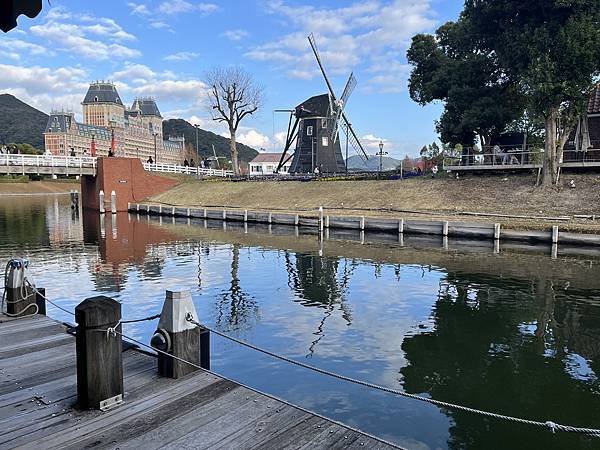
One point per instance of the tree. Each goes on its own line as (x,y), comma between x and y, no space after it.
(549,50)
(432,153)
(478,101)
(233,94)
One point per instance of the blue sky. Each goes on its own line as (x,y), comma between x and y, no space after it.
(163,48)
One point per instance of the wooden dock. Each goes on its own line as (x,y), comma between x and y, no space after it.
(38,391)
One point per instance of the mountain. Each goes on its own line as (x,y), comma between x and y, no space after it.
(372,164)
(21,123)
(178,127)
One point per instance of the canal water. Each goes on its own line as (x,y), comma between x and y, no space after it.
(515,332)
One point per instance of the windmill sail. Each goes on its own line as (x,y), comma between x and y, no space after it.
(340,105)
(353,140)
(313,45)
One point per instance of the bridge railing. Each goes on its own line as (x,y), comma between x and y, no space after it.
(28,161)
(187,170)
(490,157)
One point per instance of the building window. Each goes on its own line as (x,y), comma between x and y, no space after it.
(323,123)
(269,168)
(325,141)
(309,130)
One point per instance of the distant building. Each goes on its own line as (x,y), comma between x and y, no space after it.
(134,132)
(266,164)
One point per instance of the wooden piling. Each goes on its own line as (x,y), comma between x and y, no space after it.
(178,337)
(99,354)
(101,202)
(362,223)
(445,228)
(245,215)
(496,231)
(555,234)
(40,300)
(113,202)
(401,226)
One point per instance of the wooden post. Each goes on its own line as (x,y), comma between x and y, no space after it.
(445,228)
(179,337)
(362,223)
(555,234)
(224,215)
(113,202)
(99,354)
(245,215)
(401,226)
(321,224)
(137,205)
(188,213)
(40,300)
(101,202)
(296,220)
(19,296)
(205,214)
(496,231)
(326,221)
(270,218)
(173,211)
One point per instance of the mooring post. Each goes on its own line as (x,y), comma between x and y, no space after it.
(269,220)
(173,211)
(40,300)
(224,214)
(496,231)
(362,223)
(179,337)
(245,215)
(296,219)
(188,213)
(555,234)
(19,296)
(327,221)
(205,214)
(99,353)
(113,202)
(101,201)
(445,228)
(401,226)
(321,224)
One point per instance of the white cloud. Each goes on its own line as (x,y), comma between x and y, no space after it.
(91,37)
(253,138)
(181,56)
(17,45)
(139,9)
(371,144)
(43,87)
(174,7)
(373,35)
(235,35)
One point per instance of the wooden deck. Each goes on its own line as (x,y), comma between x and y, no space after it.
(38,392)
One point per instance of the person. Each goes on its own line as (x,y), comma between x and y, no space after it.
(110,153)
(434,171)
(72,151)
(192,163)
(186,163)
(150,160)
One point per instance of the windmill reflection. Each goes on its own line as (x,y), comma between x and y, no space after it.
(314,280)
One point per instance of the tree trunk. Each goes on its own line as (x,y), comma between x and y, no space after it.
(234,155)
(549,165)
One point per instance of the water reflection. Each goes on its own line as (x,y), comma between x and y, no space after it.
(516,333)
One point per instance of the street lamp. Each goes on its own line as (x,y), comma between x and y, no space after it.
(196,126)
(155,156)
(381,153)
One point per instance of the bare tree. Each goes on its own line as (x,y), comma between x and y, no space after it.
(233,94)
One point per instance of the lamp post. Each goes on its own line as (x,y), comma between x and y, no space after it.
(196,126)
(381,153)
(155,155)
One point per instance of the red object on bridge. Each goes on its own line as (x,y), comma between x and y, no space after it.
(93,147)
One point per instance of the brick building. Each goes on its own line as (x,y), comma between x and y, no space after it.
(134,132)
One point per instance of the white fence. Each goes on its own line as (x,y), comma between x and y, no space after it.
(25,164)
(187,170)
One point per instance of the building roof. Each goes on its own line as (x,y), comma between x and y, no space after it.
(317,106)
(266,158)
(594,104)
(147,106)
(102,92)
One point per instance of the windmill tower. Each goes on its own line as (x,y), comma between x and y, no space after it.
(315,129)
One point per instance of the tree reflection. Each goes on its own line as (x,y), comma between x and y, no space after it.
(235,308)
(502,339)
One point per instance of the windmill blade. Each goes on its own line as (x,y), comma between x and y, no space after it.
(340,105)
(353,140)
(313,45)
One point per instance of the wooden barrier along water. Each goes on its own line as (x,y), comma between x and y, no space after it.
(95,390)
(322,221)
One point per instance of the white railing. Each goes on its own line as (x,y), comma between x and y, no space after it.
(501,156)
(29,161)
(187,170)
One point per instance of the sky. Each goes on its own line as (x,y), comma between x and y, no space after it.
(164,48)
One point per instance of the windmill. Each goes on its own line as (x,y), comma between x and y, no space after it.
(315,129)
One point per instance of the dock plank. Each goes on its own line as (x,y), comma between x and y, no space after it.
(38,392)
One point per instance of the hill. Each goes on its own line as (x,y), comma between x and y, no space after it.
(372,164)
(206,139)
(21,123)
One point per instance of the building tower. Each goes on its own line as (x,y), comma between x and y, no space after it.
(102,106)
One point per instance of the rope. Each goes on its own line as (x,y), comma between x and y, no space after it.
(550,425)
(111,331)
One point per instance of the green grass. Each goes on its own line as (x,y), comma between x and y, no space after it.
(14,179)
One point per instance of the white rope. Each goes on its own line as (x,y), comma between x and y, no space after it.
(552,426)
